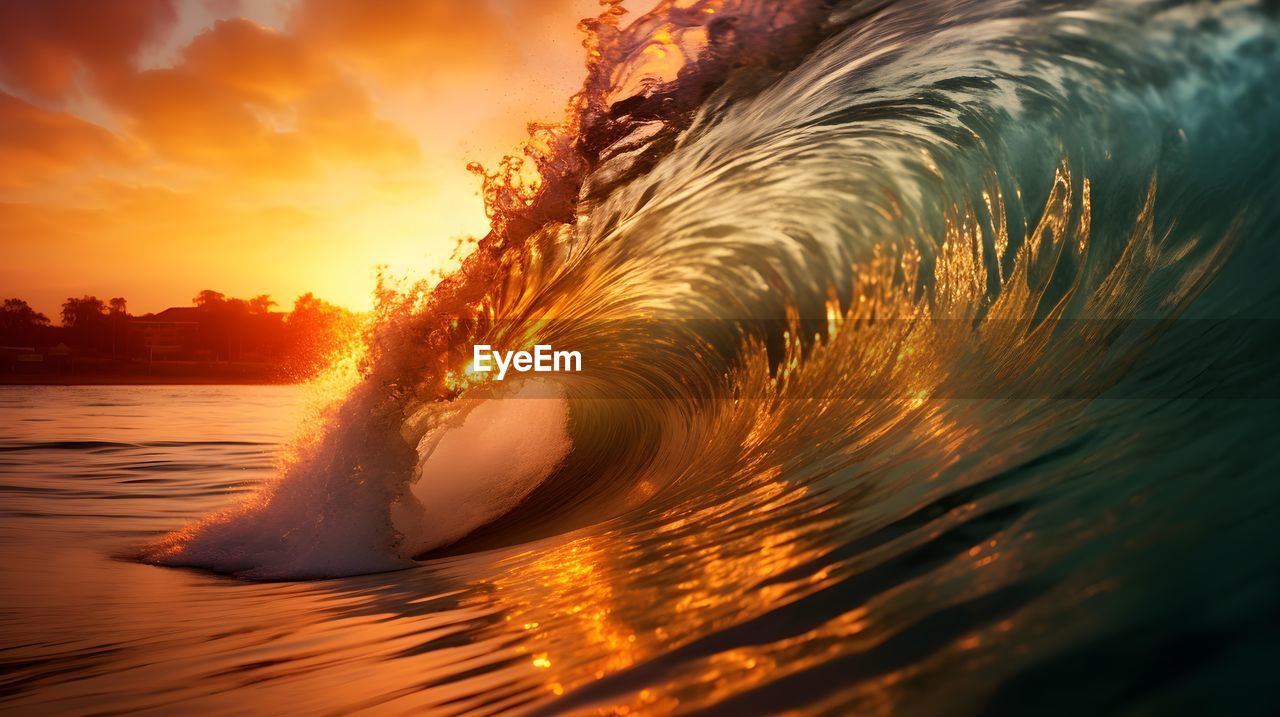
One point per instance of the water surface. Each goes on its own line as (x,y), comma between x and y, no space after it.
(1137,562)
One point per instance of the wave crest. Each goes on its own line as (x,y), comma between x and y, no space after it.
(826,216)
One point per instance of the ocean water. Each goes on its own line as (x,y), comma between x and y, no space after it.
(929,367)
(1109,569)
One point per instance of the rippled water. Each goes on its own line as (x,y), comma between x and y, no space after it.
(1114,566)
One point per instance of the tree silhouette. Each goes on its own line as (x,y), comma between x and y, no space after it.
(17,315)
(219,328)
(261,304)
(83,312)
(87,325)
(118,315)
(208,298)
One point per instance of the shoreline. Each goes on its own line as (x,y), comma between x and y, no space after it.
(144,381)
(100,372)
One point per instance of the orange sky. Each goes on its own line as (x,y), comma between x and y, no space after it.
(154,148)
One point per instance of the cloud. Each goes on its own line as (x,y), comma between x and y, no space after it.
(407,40)
(284,104)
(299,138)
(39,145)
(254,100)
(258,62)
(46,46)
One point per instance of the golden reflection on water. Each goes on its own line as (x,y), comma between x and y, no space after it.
(623,610)
(625,596)
(654,597)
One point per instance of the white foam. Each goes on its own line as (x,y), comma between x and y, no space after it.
(357,500)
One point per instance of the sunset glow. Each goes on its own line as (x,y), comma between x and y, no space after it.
(153,149)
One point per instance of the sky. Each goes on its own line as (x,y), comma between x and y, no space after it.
(154,148)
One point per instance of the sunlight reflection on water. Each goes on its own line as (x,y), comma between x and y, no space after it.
(772,591)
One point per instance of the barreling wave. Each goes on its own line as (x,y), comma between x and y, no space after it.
(778,233)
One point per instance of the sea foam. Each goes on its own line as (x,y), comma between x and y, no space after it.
(339,508)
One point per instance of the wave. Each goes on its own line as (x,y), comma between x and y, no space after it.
(778,232)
